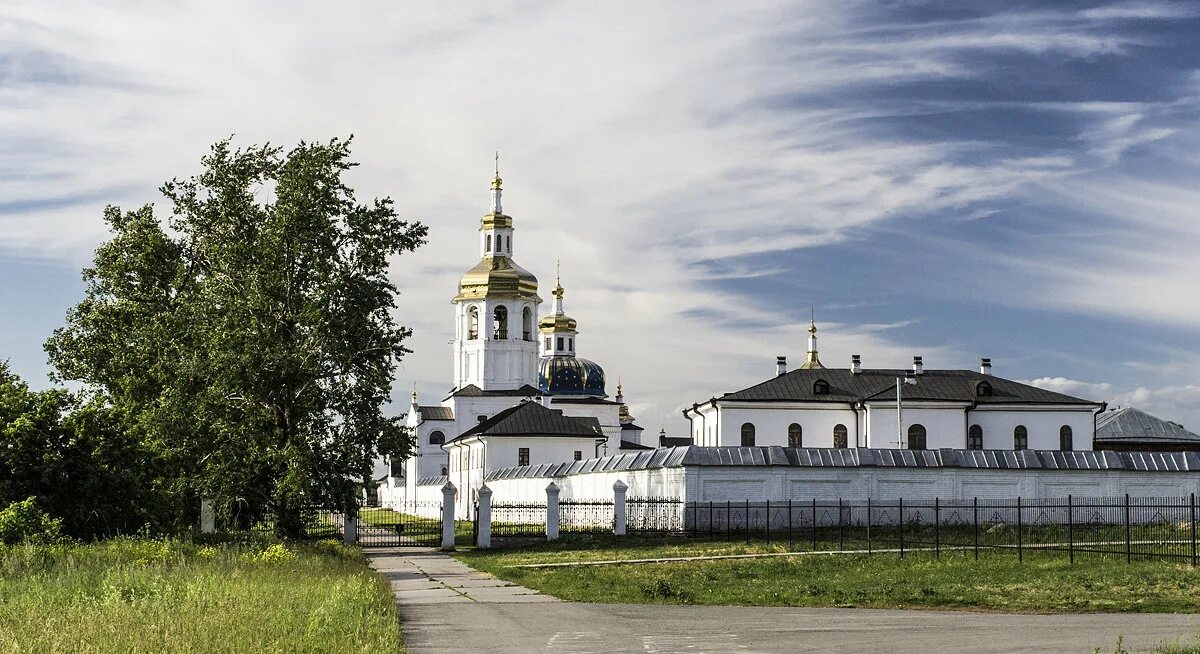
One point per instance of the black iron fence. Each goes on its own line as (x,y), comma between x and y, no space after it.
(649,515)
(1125,527)
(585,516)
(518,519)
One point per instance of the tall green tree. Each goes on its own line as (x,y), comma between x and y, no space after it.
(250,339)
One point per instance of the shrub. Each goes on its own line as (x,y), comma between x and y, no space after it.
(24,521)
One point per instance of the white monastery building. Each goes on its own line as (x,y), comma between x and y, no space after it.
(915,409)
(521,396)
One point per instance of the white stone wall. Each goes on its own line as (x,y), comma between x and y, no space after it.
(771,422)
(800,484)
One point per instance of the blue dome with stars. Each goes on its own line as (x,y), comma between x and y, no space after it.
(568,375)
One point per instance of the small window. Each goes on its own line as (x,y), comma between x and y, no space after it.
(916,437)
(578,455)
(571,343)
(480,419)
(983,389)
(444,471)
(820,387)
(795,435)
(396,469)
(560,343)
(975,438)
(547,343)
(508,244)
(747,435)
(473,324)
(523,456)
(1020,438)
(1065,438)
(487,243)
(527,324)
(437,438)
(841,436)
(501,323)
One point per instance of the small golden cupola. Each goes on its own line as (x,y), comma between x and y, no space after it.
(811,361)
(497,275)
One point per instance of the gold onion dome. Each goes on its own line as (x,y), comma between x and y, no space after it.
(497,277)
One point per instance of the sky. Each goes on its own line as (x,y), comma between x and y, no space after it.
(1013,180)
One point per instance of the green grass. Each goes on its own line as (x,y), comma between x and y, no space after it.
(143,595)
(1044,583)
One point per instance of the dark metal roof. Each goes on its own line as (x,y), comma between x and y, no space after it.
(674,441)
(567,399)
(631,427)
(436,412)
(629,445)
(692,455)
(533,419)
(941,385)
(1132,425)
(471,390)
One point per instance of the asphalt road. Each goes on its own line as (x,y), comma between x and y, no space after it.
(448,607)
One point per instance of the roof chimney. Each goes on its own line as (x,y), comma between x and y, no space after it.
(918,366)
(856,364)
(985,366)
(780,365)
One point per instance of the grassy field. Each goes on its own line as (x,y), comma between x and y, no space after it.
(1044,583)
(142,595)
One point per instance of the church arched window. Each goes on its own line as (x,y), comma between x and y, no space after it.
(795,435)
(487,243)
(917,437)
(975,438)
(527,324)
(1020,438)
(841,436)
(747,434)
(473,323)
(501,323)
(437,438)
(1065,438)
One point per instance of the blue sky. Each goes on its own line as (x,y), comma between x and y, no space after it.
(1013,180)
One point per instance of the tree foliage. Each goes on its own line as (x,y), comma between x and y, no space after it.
(250,340)
(79,461)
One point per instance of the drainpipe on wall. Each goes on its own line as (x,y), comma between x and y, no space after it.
(854,408)
(967,422)
(1102,409)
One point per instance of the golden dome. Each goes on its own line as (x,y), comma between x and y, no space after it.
(497,277)
(556,323)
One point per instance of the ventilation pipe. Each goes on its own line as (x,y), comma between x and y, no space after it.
(780,365)
(918,366)
(985,366)
(855,364)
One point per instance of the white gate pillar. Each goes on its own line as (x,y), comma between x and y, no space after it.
(448,492)
(552,512)
(619,517)
(483,518)
(208,518)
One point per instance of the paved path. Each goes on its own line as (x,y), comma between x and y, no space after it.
(449,607)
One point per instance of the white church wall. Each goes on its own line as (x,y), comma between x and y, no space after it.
(944,427)
(771,421)
(1043,426)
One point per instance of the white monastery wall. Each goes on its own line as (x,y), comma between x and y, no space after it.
(1043,426)
(771,422)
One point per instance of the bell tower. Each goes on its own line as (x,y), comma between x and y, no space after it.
(495,342)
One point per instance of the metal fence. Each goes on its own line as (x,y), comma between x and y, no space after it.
(586,516)
(518,519)
(650,515)
(1125,527)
